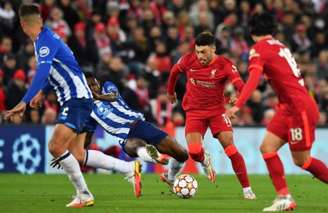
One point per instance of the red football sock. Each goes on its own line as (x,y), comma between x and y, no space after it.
(238,164)
(276,171)
(196,151)
(317,168)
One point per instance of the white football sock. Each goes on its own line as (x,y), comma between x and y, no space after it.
(174,168)
(98,159)
(72,168)
(143,154)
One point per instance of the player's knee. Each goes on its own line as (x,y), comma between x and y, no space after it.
(299,161)
(266,148)
(55,149)
(78,154)
(182,156)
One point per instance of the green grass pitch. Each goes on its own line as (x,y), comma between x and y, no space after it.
(50,193)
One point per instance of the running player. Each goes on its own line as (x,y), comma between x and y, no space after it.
(207,74)
(297,114)
(58,69)
(137,137)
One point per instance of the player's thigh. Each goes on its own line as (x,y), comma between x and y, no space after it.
(61,139)
(195,125)
(131,146)
(76,147)
(225,138)
(271,143)
(171,147)
(301,131)
(301,157)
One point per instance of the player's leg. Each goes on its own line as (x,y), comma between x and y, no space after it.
(315,166)
(179,155)
(196,126)
(284,201)
(98,159)
(237,161)
(302,136)
(220,126)
(136,147)
(58,147)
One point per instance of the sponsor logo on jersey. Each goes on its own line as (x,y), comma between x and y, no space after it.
(44,51)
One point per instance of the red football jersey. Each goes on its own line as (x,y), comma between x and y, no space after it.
(281,71)
(205,84)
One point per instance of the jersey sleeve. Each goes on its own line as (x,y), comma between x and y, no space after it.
(109,88)
(175,71)
(256,58)
(46,49)
(255,69)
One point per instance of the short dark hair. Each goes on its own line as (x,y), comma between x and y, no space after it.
(29,9)
(262,24)
(204,39)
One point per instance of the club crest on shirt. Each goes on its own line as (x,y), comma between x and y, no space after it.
(213,72)
(44,51)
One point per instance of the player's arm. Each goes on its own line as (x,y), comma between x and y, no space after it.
(255,72)
(110,97)
(47,50)
(234,77)
(173,77)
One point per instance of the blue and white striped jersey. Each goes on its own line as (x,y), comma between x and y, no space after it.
(115,117)
(58,69)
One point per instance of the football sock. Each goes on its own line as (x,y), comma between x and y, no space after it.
(143,155)
(72,168)
(238,164)
(98,159)
(174,168)
(317,168)
(276,171)
(196,151)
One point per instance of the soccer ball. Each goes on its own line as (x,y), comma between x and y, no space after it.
(185,186)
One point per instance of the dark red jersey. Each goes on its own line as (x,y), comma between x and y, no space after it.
(275,61)
(205,84)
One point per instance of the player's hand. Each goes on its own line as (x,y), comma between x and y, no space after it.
(18,110)
(36,102)
(231,113)
(172,98)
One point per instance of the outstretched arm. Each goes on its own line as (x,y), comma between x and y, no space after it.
(174,74)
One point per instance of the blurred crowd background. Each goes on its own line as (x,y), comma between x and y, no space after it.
(134,43)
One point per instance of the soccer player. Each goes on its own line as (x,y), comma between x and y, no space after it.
(207,74)
(137,137)
(57,68)
(297,114)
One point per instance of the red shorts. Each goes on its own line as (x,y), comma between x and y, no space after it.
(200,120)
(298,129)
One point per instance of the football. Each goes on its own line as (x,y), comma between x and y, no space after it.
(185,186)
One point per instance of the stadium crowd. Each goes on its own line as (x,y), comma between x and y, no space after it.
(134,43)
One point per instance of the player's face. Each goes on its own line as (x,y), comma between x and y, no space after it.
(205,54)
(93,85)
